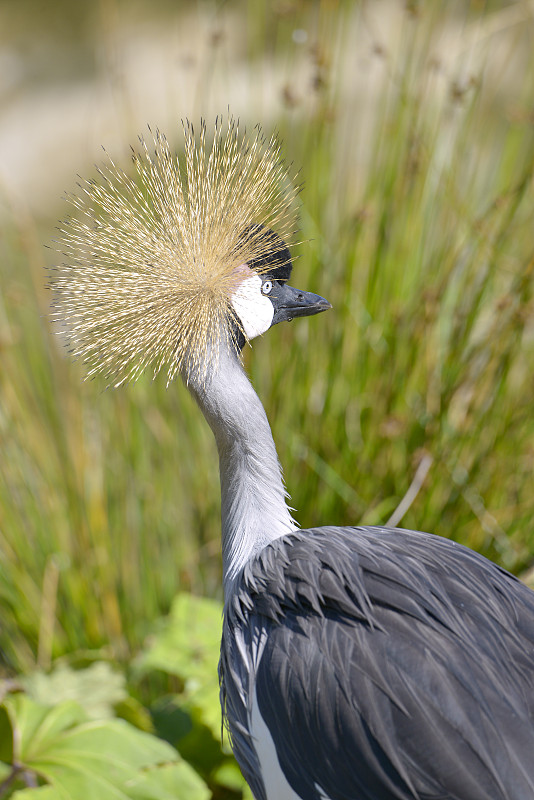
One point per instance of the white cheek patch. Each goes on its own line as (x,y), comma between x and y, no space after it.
(254,309)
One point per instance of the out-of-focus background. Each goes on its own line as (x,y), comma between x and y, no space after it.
(412,124)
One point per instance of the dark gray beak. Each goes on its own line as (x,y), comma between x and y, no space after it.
(289,303)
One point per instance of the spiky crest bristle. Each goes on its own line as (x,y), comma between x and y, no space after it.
(151,261)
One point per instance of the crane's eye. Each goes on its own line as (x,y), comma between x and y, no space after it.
(266,287)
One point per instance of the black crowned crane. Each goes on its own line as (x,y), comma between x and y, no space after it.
(356,663)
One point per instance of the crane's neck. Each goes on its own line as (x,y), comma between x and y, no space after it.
(253,497)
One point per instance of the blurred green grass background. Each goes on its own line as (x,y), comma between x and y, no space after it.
(413,128)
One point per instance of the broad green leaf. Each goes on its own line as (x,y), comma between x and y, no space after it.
(80,758)
(170,782)
(36,727)
(41,793)
(187,644)
(98,688)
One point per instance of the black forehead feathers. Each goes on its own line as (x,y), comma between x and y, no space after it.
(275,258)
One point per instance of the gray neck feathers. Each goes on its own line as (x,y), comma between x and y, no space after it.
(253,497)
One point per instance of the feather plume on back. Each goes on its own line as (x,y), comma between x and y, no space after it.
(152,261)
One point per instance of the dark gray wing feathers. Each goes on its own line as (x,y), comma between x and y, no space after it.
(393,665)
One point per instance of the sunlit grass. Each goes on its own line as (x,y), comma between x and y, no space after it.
(109,499)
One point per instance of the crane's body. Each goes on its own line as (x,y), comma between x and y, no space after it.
(361,662)
(356,663)
(375,663)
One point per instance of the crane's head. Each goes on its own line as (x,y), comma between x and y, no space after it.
(164,267)
(263,297)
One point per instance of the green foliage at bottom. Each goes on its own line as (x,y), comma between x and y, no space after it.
(75,757)
(86,732)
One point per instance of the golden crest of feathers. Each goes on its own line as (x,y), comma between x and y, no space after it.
(152,259)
